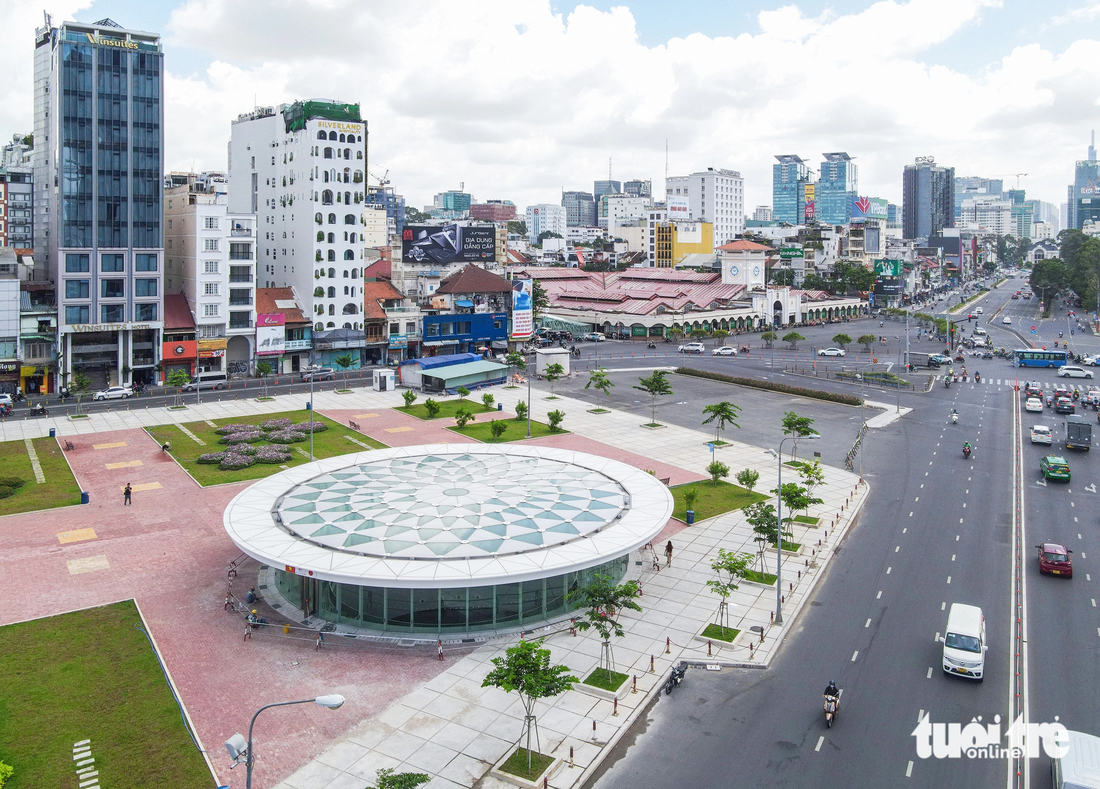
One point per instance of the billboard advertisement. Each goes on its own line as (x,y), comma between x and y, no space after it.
(888,267)
(889,286)
(870,208)
(809,210)
(270,333)
(523,303)
(808,193)
(678,207)
(447,244)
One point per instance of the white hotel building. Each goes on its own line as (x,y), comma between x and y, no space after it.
(301,168)
(715,196)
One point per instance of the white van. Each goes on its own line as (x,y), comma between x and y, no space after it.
(207,381)
(964,644)
(979,331)
(1080,767)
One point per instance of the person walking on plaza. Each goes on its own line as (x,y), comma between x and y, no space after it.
(668,554)
(126,494)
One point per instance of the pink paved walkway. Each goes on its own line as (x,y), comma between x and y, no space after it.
(170,552)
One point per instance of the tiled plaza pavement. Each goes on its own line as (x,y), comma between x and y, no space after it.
(170,552)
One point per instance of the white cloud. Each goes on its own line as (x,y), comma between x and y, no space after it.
(518,102)
(1085,13)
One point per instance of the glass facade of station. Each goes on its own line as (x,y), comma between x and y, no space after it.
(460,610)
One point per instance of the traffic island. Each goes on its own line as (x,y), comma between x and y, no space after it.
(513,768)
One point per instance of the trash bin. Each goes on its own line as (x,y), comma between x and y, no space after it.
(690,517)
(309,406)
(53,432)
(84,497)
(500,407)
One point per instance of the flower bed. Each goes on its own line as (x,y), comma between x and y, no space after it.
(238,439)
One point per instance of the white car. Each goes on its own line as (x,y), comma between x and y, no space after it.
(691,347)
(978,311)
(5,399)
(114,393)
(1040,434)
(1034,405)
(1007,321)
(1073,371)
(594,336)
(832,352)
(1091,361)
(725,350)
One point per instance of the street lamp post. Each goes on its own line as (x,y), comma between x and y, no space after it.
(863,420)
(234,744)
(779,528)
(311,377)
(529,374)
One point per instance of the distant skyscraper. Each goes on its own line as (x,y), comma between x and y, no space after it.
(638,188)
(928,198)
(836,188)
(967,186)
(580,209)
(98,176)
(762,213)
(789,180)
(601,188)
(1085,195)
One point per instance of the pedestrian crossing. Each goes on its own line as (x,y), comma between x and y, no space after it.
(1006,382)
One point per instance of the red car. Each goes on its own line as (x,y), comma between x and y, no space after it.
(1054,559)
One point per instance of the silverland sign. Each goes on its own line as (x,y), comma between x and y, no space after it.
(111,42)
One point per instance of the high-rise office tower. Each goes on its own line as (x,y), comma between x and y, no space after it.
(928,198)
(789,180)
(601,188)
(98,175)
(580,209)
(638,188)
(1084,196)
(837,187)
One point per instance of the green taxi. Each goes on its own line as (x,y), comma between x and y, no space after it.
(1054,467)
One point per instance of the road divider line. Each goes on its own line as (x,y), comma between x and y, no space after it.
(879,595)
(949,579)
(888,569)
(929,676)
(909,770)
(868,622)
(943,606)
(820,740)
(856,653)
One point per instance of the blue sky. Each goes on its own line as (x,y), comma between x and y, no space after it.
(516,104)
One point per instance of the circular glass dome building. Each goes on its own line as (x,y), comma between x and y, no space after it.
(449,538)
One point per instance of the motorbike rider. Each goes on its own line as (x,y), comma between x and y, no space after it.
(966,448)
(954,415)
(831,690)
(977,377)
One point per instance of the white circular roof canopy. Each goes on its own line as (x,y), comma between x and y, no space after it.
(448,515)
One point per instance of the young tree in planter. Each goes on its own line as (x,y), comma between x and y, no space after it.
(747,478)
(599,381)
(462,392)
(769,337)
(722,414)
(409,396)
(554,372)
(555,419)
(797,426)
(867,340)
(719,335)
(177,378)
(388,779)
(487,401)
(765,529)
(729,568)
(690,495)
(795,498)
(521,411)
(843,340)
(812,476)
(80,386)
(432,407)
(463,417)
(264,369)
(498,427)
(525,669)
(655,385)
(603,602)
(717,469)
(344,361)
(792,338)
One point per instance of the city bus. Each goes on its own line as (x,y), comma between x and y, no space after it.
(1034,357)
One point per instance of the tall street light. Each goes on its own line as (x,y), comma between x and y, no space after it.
(863,419)
(238,748)
(312,375)
(779,527)
(529,374)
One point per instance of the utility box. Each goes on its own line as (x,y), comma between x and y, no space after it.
(383,380)
(544,357)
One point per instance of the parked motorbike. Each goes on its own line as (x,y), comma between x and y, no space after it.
(675,677)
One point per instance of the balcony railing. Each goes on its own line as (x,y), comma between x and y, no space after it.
(241,232)
(240,255)
(240,324)
(298,345)
(240,277)
(238,301)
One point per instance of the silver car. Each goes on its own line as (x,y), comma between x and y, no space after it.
(114,393)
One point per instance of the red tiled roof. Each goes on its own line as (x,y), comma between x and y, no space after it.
(474,279)
(374,293)
(380,269)
(265,304)
(743,246)
(177,313)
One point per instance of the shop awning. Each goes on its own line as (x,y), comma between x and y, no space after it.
(438,343)
(464,303)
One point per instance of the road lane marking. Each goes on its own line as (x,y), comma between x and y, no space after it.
(910,515)
(909,770)
(960,520)
(1075,519)
(929,675)
(1094,602)
(952,557)
(1071,504)
(943,605)
(949,579)
(920,716)
(1078,535)
(879,595)
(1083,555)
(888,569)
(868,622)
(856,653)
(917,498)
(968,490)
(922,484)
(929,463)
(897,548)
(956,538)
(1088,577)
(904,530)
(926,473)
(820,740)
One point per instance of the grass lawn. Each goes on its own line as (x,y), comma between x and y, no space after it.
(516,764)
(760,578)
(719,633)
(91,675)
(713,499)
(598,410)
(793,547)
(60,489)
(806,519)
(517,431)
(447,408)
(328,444)
(606,679)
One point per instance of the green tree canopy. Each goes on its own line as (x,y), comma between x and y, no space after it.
(722,414)
(655,385)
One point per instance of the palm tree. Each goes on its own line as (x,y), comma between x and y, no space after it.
(722,414)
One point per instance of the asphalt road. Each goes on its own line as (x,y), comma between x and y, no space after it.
(935,530)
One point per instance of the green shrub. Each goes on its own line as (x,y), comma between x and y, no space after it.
(521,411)
(463,417)
(555,418)
(6,492)
(12,482)
(432,407)
(409,396)
(497,427)
(772,386)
